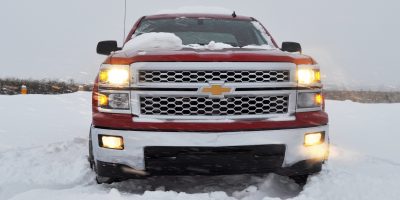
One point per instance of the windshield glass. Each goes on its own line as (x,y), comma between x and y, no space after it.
(202,31)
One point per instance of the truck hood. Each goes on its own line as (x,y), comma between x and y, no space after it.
(193,55)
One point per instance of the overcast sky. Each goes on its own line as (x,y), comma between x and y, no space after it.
(355,41)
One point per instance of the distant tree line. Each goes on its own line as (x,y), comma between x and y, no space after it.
(12,86)
(364,96)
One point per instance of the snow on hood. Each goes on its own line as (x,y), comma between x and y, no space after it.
(210,46)
(169,41)
(264,46)
(154,42)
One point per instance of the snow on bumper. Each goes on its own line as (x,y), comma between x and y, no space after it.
(135,141)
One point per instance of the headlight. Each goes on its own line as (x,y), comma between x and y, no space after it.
(118,101)
(309,100)
(114,75)
(308,75)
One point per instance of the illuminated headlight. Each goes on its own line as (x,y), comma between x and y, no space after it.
(111,142)
(308,76)
(311,139)
(114,75)
(119,101)
(309,100)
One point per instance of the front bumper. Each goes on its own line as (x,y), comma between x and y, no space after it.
(297,158)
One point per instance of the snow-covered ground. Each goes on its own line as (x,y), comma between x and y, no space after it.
(43,150)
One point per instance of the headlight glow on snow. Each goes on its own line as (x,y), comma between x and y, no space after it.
(311,139)
(114,75)
(111,142)
(308,76)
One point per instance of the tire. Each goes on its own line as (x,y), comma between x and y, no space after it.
(99,179)
(300,179)
(91,157)
(104,180)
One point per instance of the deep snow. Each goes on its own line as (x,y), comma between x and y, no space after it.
(43,150)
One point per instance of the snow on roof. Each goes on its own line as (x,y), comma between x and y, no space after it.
(197,9)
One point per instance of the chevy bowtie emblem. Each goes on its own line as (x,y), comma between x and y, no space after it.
(216,90)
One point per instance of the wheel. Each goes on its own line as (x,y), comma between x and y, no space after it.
(300,179)
(99,179)
(91,157)
(106,180)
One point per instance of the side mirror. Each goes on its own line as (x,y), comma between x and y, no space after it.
(106,47)
(291,47)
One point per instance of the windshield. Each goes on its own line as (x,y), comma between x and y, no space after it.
(237,33)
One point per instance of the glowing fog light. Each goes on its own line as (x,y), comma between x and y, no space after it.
(308,76)
(111,142)
(114,75)
(311,139)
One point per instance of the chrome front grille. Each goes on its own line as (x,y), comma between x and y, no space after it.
(204,76)
(205,106)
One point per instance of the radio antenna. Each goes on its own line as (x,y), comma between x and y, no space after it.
(123,39)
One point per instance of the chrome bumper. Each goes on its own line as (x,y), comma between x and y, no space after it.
(135,141)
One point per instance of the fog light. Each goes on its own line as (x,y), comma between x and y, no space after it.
(111,142)
(311,139)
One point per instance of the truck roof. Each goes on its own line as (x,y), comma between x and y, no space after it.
(198,15)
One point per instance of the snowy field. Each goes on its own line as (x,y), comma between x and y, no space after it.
(43,149)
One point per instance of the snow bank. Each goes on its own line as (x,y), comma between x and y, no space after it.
(154,42)
(44,147)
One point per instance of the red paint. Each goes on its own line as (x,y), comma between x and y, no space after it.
(190,55)
(127,122)
(135,26)
(95,95)
(200,15)
(226,55)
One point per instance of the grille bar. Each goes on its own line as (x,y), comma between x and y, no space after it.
(213,160)
(242,76)
(205,106)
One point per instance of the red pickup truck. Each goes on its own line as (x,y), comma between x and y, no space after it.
(227,101)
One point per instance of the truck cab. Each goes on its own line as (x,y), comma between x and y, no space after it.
(220,98)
